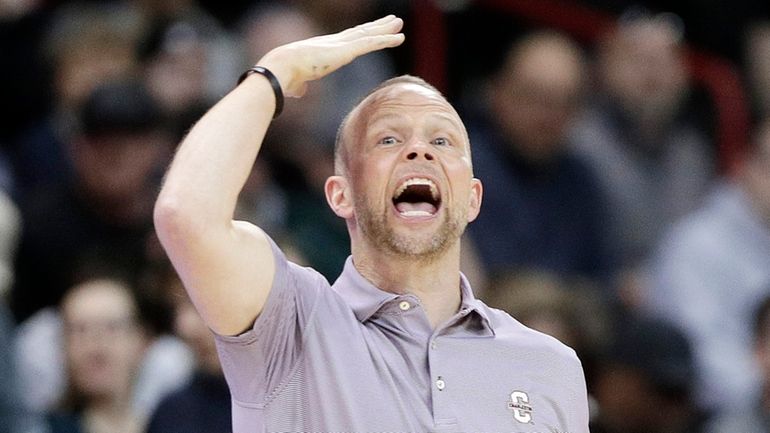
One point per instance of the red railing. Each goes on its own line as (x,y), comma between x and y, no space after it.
(717,76)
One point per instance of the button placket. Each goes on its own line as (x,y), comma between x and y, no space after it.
(441,389)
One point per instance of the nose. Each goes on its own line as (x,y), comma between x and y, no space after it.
(417,150)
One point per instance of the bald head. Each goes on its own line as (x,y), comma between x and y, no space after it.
(352,128)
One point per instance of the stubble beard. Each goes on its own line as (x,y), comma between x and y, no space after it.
(423,246)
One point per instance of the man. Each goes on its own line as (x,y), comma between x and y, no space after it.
(643,137)
(544,212)
(399,343)
(712,269)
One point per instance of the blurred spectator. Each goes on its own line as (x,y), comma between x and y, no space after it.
(188,60)
(86,45)
(104,210)
(178,32)
(13,417)
(753,414)
(104,342)
(712,269)
(542,208)
(644,382)
(174,60)
(642,137)
(202,405)
(165,365)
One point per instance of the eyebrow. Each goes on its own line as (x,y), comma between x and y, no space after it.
(441,117)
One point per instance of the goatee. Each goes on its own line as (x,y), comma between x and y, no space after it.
(421,246)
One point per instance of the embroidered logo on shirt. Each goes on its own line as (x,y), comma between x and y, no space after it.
(519,404)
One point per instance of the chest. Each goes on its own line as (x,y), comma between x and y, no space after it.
(383,378)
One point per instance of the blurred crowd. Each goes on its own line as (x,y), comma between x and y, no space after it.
(607,221)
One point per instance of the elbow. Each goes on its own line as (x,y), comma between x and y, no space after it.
(171,220)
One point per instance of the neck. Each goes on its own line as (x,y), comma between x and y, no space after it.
(435,281)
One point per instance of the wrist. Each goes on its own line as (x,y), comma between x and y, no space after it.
(274,83)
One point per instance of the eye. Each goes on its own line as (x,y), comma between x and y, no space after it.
(441,141)
(388,141)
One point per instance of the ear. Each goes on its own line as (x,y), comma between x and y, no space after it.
(338,196)
(477,190)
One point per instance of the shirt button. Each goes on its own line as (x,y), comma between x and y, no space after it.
(404,305)
(440,384)
(433,345)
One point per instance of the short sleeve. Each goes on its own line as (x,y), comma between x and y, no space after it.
(257,362)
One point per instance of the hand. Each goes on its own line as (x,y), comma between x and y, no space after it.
(297,63)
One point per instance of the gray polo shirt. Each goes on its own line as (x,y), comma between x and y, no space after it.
(354,358)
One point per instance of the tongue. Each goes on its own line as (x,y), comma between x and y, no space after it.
(420,208)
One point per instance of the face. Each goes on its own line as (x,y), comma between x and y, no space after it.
(118,168)
(103,341)
(537,96)
(409,171)
(644,68)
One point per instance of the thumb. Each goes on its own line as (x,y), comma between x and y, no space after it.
(299,91)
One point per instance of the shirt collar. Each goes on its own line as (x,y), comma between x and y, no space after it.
(366,299)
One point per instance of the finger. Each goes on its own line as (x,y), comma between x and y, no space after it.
(377,22)
(377,42)
(390,24)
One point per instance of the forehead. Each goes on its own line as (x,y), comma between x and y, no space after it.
(403,100)
(403,96)
(97,299)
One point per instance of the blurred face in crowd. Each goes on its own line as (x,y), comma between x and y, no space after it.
(177,75)
(116,170)
(642,66)
(103,340)
(537,93)
(85,67)
(409,172)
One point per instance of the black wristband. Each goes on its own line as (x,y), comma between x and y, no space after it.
(273,83)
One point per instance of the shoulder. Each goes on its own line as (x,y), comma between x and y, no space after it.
(511,332)
(290,274)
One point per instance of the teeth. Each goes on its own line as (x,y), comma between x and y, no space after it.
(415,213)
(418,181)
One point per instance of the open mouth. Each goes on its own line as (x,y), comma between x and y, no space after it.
(417,197)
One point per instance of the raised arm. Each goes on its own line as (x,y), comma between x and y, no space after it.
(227,266)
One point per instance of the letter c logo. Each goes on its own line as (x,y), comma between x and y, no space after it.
(522,411)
